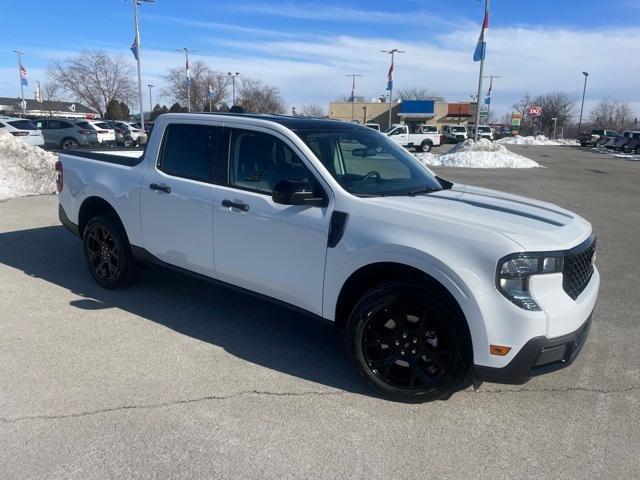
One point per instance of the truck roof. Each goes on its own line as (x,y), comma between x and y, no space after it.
(292,123)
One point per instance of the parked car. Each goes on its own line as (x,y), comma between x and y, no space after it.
(374,126)
(431,281)
(454,133)
(23,129)
(66,133)
(597,137)
(133,131)
(106,133)
(423,140)
(484,131)
(629,142)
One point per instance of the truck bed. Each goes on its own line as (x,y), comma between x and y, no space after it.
(128,158)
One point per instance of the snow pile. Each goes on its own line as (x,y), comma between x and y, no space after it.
(480,154)
(24,169)
(634,158)
(537,140)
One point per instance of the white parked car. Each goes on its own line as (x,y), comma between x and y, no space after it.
(23,129)
(424,139)
(134,132)
(454,133)
(430,280)
(374,126)
(106,134)
(484,131)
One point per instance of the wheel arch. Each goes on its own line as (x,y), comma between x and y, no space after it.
(368,276)
(91,207)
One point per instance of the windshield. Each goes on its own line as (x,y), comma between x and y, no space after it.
(367,163)
(484,129)
(458,129)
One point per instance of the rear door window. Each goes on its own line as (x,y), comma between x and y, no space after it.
(23,124)
(190,151)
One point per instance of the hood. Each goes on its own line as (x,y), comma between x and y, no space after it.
(535,225)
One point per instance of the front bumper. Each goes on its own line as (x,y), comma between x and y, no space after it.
(538,356)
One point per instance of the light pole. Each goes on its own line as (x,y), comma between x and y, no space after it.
(233,86)
(480,77)
(584,91)
(138,54)
(391,52)
(491,77)
(150,100)
(353,91)
(20,67)
(364,117)
(555,124)
(186,68)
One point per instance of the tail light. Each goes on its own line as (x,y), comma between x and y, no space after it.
(58,176)
(19,134)
(85,132)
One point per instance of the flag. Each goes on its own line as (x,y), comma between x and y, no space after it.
(134,48)
(23,76)
(390,77)
(487,99)
(210,89)
(481,47)
(187,68)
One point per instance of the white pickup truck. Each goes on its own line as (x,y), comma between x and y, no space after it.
(433,283)
(425,138)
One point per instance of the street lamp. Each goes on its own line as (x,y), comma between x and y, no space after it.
(150,101)
(233,86)
(584,91)
(138,54)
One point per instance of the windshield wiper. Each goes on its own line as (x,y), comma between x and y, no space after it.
(413,193)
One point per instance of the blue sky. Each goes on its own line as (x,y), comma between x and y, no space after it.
(307,47)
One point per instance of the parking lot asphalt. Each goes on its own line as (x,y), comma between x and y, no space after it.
(176,378)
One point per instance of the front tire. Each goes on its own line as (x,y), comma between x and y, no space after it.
(108,252)
(410,342)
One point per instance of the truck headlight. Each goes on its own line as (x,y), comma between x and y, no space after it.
(514,271)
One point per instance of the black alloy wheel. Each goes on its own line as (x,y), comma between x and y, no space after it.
(103,253)
(409,342)
(68,143)
(108,252)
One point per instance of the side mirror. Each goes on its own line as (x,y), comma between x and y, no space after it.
(288,192)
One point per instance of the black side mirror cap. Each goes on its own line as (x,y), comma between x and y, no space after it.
(287,192)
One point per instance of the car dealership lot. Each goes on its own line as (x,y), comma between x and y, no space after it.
(178,378)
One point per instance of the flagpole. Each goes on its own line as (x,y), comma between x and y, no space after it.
(22,104)
(353,92)
(480,77)
(491,77)
(209,94)
(392,52)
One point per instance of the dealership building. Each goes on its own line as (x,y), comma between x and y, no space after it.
(409,112)
(45,108)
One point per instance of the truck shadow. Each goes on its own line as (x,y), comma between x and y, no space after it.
(249,328)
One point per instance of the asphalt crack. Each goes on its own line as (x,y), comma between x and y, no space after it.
(600,391)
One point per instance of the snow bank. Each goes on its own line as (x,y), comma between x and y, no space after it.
(634,158)
(480,154)
(537,140)
(24,169)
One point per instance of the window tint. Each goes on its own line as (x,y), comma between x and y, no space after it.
(259,161)
(190,150)
(23,124)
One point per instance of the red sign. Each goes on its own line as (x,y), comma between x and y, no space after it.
(534,111)
(90,116)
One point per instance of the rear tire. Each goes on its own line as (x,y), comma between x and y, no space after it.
(68,143)
(409,342)
(108,252)
(426,146)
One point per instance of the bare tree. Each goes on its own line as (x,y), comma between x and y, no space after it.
(312,110)
(612,113)
(51,94)
(256,96)
(418,93)
(523,104)
(558,105)
(95,78)
(201,75)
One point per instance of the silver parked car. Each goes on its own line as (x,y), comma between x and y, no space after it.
(66,133)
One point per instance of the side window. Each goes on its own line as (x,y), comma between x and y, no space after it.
(258,161)
(65,125)
(189,151)
(53,124)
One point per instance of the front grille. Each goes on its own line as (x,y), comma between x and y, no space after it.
(578,268)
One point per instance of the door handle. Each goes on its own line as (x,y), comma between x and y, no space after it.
(239,205)
(160,187)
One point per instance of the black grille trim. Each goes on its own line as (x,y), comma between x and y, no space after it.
(578,267)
